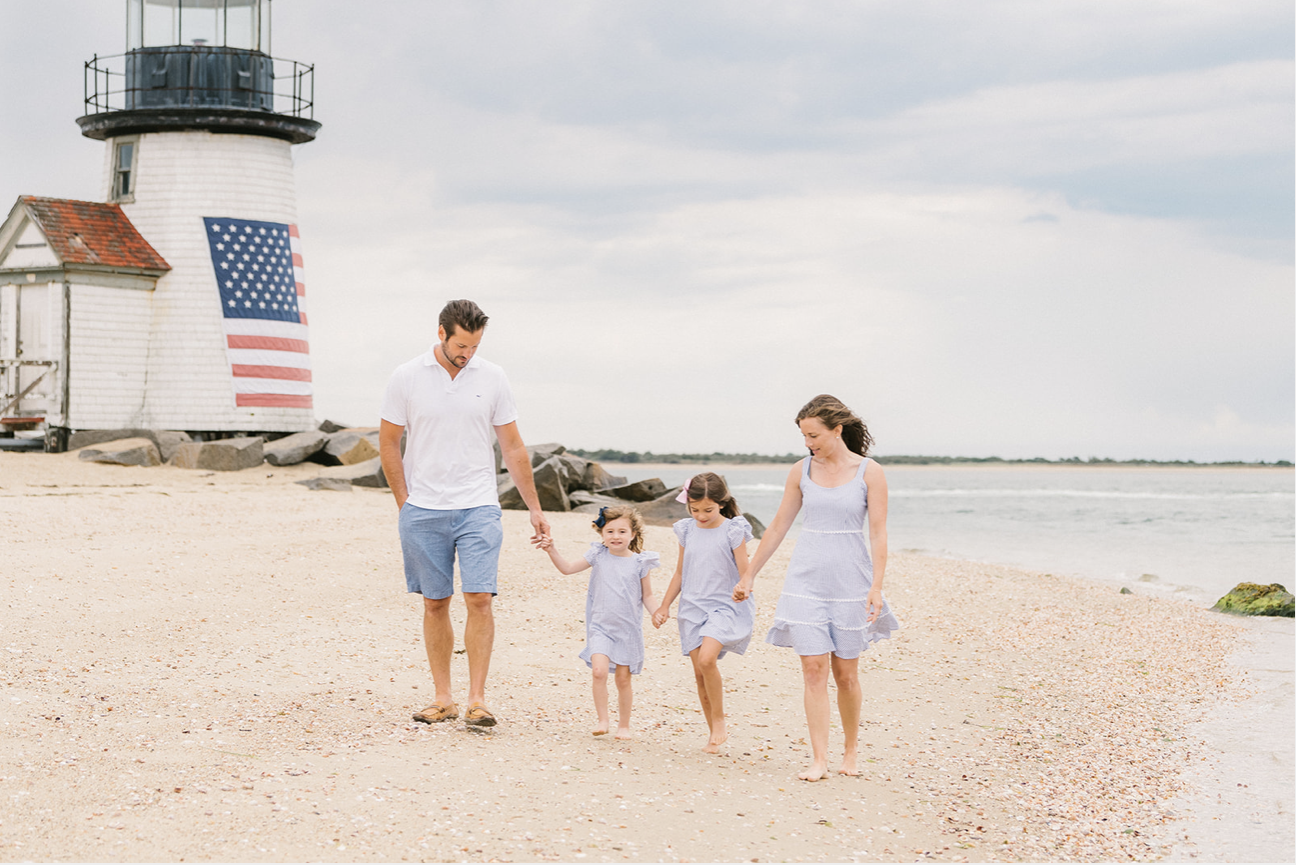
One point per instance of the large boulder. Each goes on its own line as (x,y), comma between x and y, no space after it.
(366,474)
(1253,599)
(509,496)
(586,502)
(549,488)
(574,469)
(220,455)
(294,449)
(664,510)
(167,441)
(758,528)
(598,478)
(347,443)
(549,485)
(540,453)
(136,451)
(637,491)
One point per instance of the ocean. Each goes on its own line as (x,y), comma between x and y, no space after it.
(1192,533)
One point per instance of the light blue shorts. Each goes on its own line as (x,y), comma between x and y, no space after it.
(430,539)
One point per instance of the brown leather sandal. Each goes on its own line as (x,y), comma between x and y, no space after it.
(480,716)
(437,713)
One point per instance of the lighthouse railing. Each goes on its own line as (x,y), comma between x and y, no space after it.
(198,77)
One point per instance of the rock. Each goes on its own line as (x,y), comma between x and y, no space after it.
(136,451)
(321,483)
(291,450)
(549,485)
(499,458)
(639,491)
(509,496)
(586,497)
(166,440)
(220,455)
(363,450)
(332,427)
(340,442)
(1252,599)
(1125,590)
(664,510)
(366,474)
(758,528)
(597,478)
(541,453)
(574,469)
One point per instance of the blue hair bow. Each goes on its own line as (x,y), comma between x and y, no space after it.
(601,519)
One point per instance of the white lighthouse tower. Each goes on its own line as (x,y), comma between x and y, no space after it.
(178,302)
(199,156)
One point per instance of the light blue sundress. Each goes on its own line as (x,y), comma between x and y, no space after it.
(824,605)
(614,606)
(706,607)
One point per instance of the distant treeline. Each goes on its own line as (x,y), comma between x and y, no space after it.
(611,455)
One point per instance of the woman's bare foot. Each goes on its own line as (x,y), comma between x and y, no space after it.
(848,766)
(624,734)
(814,774)
(717,740)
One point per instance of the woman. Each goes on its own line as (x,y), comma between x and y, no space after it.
(832,607)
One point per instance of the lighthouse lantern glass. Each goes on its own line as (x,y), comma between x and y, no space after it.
(242,24)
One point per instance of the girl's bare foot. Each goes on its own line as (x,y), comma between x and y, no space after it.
(624,734)
(848,767)
(814,774)
(717,740)
(601,729)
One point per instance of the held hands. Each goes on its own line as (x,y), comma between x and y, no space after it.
(659,618)
(540,525)
(743,590)
(544,542)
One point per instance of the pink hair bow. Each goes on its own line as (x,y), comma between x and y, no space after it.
(683,494)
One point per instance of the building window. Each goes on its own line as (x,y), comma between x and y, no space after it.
(123,184)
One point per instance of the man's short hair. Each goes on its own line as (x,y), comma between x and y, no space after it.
(464,315)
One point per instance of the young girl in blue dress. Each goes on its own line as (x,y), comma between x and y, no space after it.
(712,557)
(619,585)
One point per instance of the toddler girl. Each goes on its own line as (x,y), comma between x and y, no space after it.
(619,584)
(713,553)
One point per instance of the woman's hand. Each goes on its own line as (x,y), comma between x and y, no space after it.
(874,603)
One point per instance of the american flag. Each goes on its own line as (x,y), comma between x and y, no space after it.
(262,286)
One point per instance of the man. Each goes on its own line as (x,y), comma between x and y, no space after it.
(449,400)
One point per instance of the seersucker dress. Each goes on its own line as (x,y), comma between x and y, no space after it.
(824,605)
(614,606)
(706,607)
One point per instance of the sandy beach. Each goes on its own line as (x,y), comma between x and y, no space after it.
(222,666)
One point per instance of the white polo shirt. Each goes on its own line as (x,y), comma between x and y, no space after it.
(449,425)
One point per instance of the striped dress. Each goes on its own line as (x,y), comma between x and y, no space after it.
(614,606)
(824,605)
(706,607)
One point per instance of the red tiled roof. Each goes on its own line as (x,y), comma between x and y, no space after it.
(92,233)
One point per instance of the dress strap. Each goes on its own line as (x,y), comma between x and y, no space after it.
(859,473)
(805,468)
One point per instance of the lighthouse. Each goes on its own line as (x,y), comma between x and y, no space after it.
(178,301)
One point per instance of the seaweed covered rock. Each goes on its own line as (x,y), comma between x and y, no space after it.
(1253,599)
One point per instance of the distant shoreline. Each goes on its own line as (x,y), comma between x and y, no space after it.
(608,455)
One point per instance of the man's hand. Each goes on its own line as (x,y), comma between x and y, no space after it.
(540,525)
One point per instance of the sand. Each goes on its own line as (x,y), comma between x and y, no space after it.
(203,666)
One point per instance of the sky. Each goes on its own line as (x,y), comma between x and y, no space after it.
(992,228)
